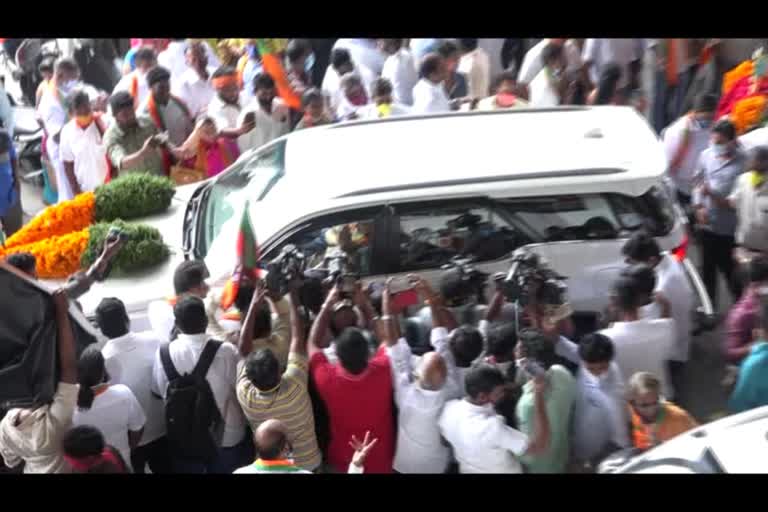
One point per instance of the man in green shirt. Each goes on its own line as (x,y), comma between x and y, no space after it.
(559,399)
(132,144)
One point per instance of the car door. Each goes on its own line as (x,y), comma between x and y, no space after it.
(318,238)
(431,233)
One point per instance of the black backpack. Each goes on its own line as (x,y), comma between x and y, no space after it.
(191,413)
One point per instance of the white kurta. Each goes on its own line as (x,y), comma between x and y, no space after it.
(142,87)
(86,150)
(195,92)
(269,126)
(430,98)
(400,69)
(331,86)
(543,95)
(54,118)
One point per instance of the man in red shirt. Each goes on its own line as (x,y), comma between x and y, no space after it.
(357,392)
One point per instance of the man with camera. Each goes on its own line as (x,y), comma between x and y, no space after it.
(459,346)
(267,391)
(357,392)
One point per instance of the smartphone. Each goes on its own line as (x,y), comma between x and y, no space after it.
(405,299)
(348,284)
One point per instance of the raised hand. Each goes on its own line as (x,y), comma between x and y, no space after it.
(361,449)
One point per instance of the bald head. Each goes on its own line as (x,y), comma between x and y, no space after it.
(433,371)
(270,439)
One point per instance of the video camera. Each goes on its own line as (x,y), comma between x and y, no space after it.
(339,272)
(288,267)
(530,280)
(472,281)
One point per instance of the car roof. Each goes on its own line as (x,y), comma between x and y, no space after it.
(606,148)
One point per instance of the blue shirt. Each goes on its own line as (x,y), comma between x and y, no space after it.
(720,175)
(8,196)
(752,387)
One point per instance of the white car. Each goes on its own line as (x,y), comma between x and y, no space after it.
(729,445)
(571,183)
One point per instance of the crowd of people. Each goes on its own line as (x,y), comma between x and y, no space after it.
(188,108)
(346,385)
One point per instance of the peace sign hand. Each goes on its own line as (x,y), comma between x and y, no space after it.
(361,449)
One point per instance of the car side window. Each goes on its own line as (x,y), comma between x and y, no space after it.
(432,234)
(350,234)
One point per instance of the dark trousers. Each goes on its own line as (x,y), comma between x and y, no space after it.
(226,461)
(157,454)
(717,254)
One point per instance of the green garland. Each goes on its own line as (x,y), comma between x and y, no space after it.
(132,196)
(144,248)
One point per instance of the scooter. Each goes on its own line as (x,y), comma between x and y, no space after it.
(20,62)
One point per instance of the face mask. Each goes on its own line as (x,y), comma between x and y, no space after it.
(84,121)
(704,124)
(720,149)
(309,63)
(68,85)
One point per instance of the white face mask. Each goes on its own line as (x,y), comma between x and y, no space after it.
(68,85)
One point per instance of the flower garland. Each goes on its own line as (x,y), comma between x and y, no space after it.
(59,236)
(744,97)
(58,256)
(60,219)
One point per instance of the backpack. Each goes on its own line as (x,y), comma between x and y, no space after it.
(191,413)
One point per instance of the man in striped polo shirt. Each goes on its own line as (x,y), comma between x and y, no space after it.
(265,394)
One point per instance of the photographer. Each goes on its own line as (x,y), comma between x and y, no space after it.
(461,289)
(267,324)
(460,346)
(357,392)
(536,359)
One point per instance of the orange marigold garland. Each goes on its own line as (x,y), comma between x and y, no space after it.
(57,257)
(746,68)
(60,219)
(748,112)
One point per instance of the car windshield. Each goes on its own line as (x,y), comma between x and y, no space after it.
(590,216)
(250,178)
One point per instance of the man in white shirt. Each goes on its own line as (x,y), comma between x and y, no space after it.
(82,150)
(383,105)
(399,69)
(533,62)
(225,107)
(750,200)
(548,89)
(624,52)
(271,115)
(342,64)
(188,279)
(600,416)
(53,112)
(671,281)
(684,140)
(419,402)
(185,351)
(504,96)
(476,66)
(354,97)
(129,358)
(642,345)
(429,94)
(364,53)
(459,349)
(174,60)
(194,86)
(135,82)
(481,440)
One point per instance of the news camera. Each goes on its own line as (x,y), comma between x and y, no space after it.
(288,267)
(530,280)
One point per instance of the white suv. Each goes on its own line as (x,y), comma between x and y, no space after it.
(570,183)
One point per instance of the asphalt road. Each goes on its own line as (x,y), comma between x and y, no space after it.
(699,388)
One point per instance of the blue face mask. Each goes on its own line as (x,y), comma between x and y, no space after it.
(705,124)
(310,62)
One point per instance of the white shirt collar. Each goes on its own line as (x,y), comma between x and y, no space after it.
(193,338)
(482,410)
